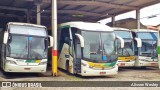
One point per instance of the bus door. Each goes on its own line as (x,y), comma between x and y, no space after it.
(76,51)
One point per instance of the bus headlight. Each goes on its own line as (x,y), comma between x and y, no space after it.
(84,64)
(143,60)
(42,63)
(10,62)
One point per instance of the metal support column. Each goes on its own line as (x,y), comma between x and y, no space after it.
(138,18)
(113,21)
(54,34)
(38,14)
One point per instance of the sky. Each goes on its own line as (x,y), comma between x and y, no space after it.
(144,13)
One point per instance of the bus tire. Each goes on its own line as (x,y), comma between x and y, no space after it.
(143,67)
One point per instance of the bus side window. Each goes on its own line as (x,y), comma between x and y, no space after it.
(76,43)
(78,49)
(67,40)
(64,37)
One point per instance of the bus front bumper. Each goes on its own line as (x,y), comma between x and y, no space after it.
(126,64)
(86,71)
(17,68)
(145,63)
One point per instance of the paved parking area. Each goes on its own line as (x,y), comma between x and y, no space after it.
(124,74)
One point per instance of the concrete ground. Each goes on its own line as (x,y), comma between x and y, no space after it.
(124,74)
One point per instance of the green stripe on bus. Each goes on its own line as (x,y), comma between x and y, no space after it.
(30,61)
(110,64)
(67,26)
(158,50)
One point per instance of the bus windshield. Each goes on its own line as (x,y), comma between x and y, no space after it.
(128,43)
(38,47)
(99,46)
(147,35)
(124,34)
(149,48)
(149,43)
(18,46)
(128,48)
(26,47)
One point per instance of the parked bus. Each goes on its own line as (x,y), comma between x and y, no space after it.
(88,49)
(147,53)
(158,47)
(24,47)
(126,56)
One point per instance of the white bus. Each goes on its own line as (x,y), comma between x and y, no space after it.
(24,47)
(88,49)
(147,53)
(126,56)
(158,47)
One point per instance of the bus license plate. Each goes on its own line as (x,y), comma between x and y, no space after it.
(153,64)
(122,64)
(102,73)
(27,68)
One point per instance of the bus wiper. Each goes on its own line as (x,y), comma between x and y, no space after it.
(9,49)
(104,57)
(153,53)
(93,53)
(36,57)
(24,49)
(148,54)
(127,52)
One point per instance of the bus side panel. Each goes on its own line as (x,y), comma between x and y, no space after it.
(1,49)
(62,58)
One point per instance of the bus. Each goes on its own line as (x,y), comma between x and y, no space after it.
(147,53)
(158,47)
(126,56)
(24,47)
(88,49)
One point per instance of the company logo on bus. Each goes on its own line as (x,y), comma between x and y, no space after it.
(101,65)
(127,58)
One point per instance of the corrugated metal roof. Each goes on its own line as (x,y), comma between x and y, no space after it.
(73,10)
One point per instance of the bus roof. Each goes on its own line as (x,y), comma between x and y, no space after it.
(87,26)
(120,29)
(143,30)
(26,24)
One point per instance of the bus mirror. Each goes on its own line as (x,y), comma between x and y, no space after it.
(139,42)
(5,38)
(121,40)
(51,41)
(81,39)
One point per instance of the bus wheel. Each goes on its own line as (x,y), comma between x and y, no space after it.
(67,66)
(143,67)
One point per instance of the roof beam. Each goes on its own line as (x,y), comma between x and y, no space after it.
(62,19)
(96,3)
(13,8)
(59,11)
(44,1)
(79,12)
(91,3)
(10,15)
(150,3)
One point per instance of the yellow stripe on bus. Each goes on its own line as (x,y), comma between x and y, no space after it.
(127,58)
(38,61)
